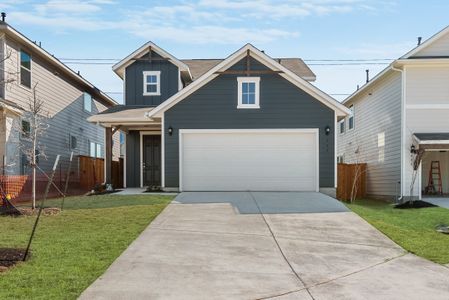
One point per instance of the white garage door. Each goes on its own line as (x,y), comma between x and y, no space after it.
(249,160)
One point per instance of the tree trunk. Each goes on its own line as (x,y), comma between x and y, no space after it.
(33,165)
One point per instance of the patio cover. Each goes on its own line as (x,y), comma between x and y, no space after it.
(122,115)
(432,141)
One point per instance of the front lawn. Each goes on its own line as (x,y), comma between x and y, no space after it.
(413,229)
(72,249)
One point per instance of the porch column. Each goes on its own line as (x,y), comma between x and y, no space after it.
(108,155)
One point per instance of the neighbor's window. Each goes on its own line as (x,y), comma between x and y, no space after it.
(248,92)
(151,83)
(92,149)
(351,118)
(99,150)
(25,69)
(26,129)
(342,126)
(87,102)
(73,142)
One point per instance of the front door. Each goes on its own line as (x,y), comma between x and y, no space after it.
(151,160)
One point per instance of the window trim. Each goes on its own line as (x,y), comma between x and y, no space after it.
(20,68)
(158,83)
(351,107)
(240,81)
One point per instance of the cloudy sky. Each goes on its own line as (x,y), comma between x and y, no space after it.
(339,39)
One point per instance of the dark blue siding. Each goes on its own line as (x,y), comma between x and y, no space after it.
(134,81)
(282,105)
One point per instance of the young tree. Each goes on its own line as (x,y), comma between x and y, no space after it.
(36,128)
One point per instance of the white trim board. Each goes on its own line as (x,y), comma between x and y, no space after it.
(262,58)
(315,131)
(141,134)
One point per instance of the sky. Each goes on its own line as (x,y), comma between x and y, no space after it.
(338,39)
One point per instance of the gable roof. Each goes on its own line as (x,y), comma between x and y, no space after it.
(16,35)
(119,68)
(426,43)
(200,66)
(408,58)
(255,53)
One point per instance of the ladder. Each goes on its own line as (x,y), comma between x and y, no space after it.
(434,185)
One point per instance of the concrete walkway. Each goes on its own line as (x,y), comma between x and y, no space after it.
(217,247)
(441,202)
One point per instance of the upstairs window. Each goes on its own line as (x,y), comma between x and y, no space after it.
(248,92)
(87,99)
(342,126)
(151,83)
(351,118)
(25,69)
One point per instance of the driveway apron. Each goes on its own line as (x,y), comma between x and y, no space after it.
(266,245)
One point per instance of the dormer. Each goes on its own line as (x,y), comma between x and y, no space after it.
(151,75)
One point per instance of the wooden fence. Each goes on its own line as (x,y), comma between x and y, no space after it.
(349,176)
(92,172)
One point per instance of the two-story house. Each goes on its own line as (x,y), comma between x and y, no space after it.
(247,122)
(69,99)
(399,124)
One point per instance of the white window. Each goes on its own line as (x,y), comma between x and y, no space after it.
(99,150)
(92,149)
(248,92)
(87,102)
(151,83)
(351,118)
(25,69)
(342,126)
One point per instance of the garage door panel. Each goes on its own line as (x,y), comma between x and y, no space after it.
(260,161)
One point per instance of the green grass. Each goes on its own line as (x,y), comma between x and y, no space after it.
(413,229)
(73,248)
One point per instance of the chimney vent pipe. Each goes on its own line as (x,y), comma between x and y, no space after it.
(3,14)
(419,40)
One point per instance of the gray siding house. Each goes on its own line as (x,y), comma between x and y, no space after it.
(69,99)
(399,125)
(247,122)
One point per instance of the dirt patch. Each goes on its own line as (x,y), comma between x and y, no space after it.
(414,204)
(48,211)
(10,257)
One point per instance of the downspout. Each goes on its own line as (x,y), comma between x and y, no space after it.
(401,182)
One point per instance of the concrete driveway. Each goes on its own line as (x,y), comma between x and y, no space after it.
(266,246)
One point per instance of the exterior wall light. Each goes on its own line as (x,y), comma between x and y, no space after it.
(170,130)
(327,130)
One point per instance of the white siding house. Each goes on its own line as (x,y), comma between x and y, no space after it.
(408,98)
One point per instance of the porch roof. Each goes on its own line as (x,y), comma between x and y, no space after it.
(439,140)
(123,115)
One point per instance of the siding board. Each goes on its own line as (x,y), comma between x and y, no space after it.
(377,111)
(283,105)
(63,101)
(134,81)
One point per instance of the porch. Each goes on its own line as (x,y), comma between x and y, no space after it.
(143,157)
(433,155)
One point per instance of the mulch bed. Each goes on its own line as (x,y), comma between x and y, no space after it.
(10,257)
(47,211)
(414,204)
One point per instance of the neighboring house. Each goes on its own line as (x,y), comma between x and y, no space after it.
(399,118)
(68,100)
(247,122)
